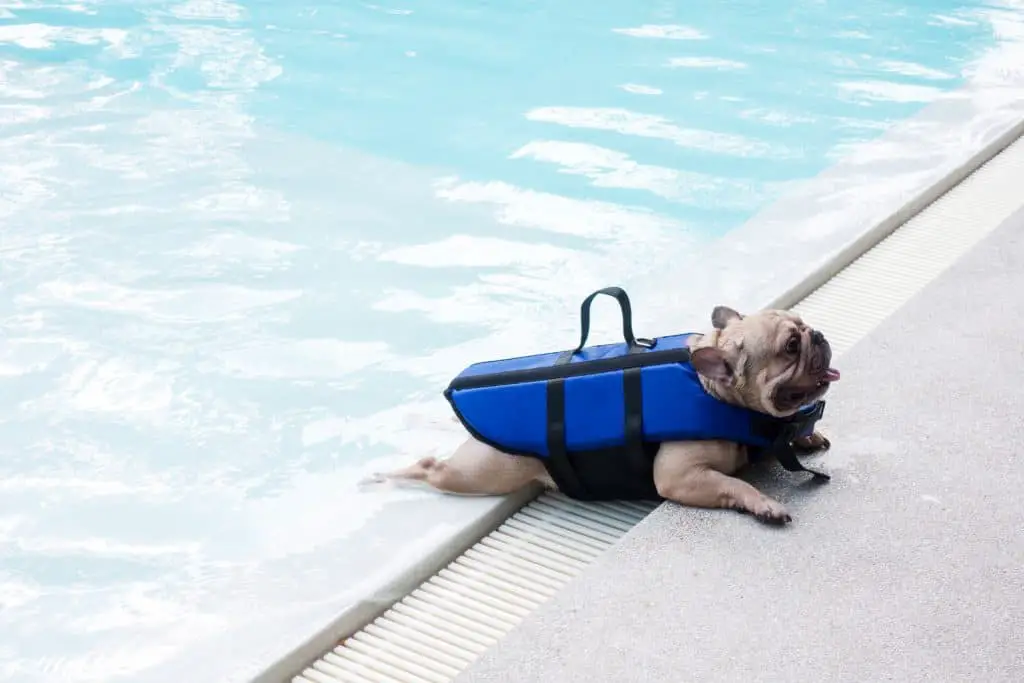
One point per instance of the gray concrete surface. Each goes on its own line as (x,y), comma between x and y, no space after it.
(908,566)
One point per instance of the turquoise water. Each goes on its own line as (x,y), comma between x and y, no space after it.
(244,244)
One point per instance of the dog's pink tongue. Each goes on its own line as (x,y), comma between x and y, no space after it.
(831,375)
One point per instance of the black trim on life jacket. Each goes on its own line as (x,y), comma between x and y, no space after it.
(560,370)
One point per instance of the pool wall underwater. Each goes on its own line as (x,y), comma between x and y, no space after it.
(780,255)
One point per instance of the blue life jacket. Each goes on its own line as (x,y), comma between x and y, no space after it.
(596,415)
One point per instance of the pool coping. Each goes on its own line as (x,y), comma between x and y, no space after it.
(963,130)
(368,607)
(900,483)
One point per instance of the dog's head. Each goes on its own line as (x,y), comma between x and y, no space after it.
(769,361)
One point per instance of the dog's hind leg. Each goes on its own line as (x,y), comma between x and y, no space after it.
(473,469)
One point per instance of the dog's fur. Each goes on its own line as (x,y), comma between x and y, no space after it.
(769,361)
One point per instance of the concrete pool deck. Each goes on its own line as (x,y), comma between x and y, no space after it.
(907,566)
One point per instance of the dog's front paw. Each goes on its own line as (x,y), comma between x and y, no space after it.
(813,443)
(770,511)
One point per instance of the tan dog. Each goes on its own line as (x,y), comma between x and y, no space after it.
(770,362)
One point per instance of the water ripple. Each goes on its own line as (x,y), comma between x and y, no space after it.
(628,122)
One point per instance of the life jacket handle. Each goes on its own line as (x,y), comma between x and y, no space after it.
(627,320)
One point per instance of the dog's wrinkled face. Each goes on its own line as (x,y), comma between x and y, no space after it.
(769,361)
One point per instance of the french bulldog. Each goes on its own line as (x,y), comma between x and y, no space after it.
(769,361)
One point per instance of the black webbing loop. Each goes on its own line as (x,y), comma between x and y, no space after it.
(782,431)
(627,319)
(786,455)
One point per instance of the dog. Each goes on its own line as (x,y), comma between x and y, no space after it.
(770,361)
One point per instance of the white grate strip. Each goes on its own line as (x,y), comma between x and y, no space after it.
(433,633)
(442,626)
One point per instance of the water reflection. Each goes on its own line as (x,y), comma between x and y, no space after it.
(666,31)
(608,168)
(628,122)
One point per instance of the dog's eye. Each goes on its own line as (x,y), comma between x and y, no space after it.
(793,346)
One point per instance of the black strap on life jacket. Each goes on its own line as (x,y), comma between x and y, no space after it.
(783,431)
(624,472)
(640,465)
(638,462)
(558,463)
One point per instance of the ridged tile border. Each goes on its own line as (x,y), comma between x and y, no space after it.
(446,622)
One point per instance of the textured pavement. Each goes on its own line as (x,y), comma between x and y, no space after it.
(908,566)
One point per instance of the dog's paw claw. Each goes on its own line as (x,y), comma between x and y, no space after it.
(771,512)
(774,520)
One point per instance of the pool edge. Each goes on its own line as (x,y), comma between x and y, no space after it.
(874,235)
(368,608)
(847,252)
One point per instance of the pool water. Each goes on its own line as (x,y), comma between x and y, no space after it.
(243,246)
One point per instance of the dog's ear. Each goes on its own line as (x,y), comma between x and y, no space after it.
(711,363)
(721,316)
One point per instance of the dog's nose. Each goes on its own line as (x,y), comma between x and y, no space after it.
(817,338)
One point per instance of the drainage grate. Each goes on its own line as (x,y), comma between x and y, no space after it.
(442,626)
(437,630)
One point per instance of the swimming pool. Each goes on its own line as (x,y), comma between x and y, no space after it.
(244,244)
